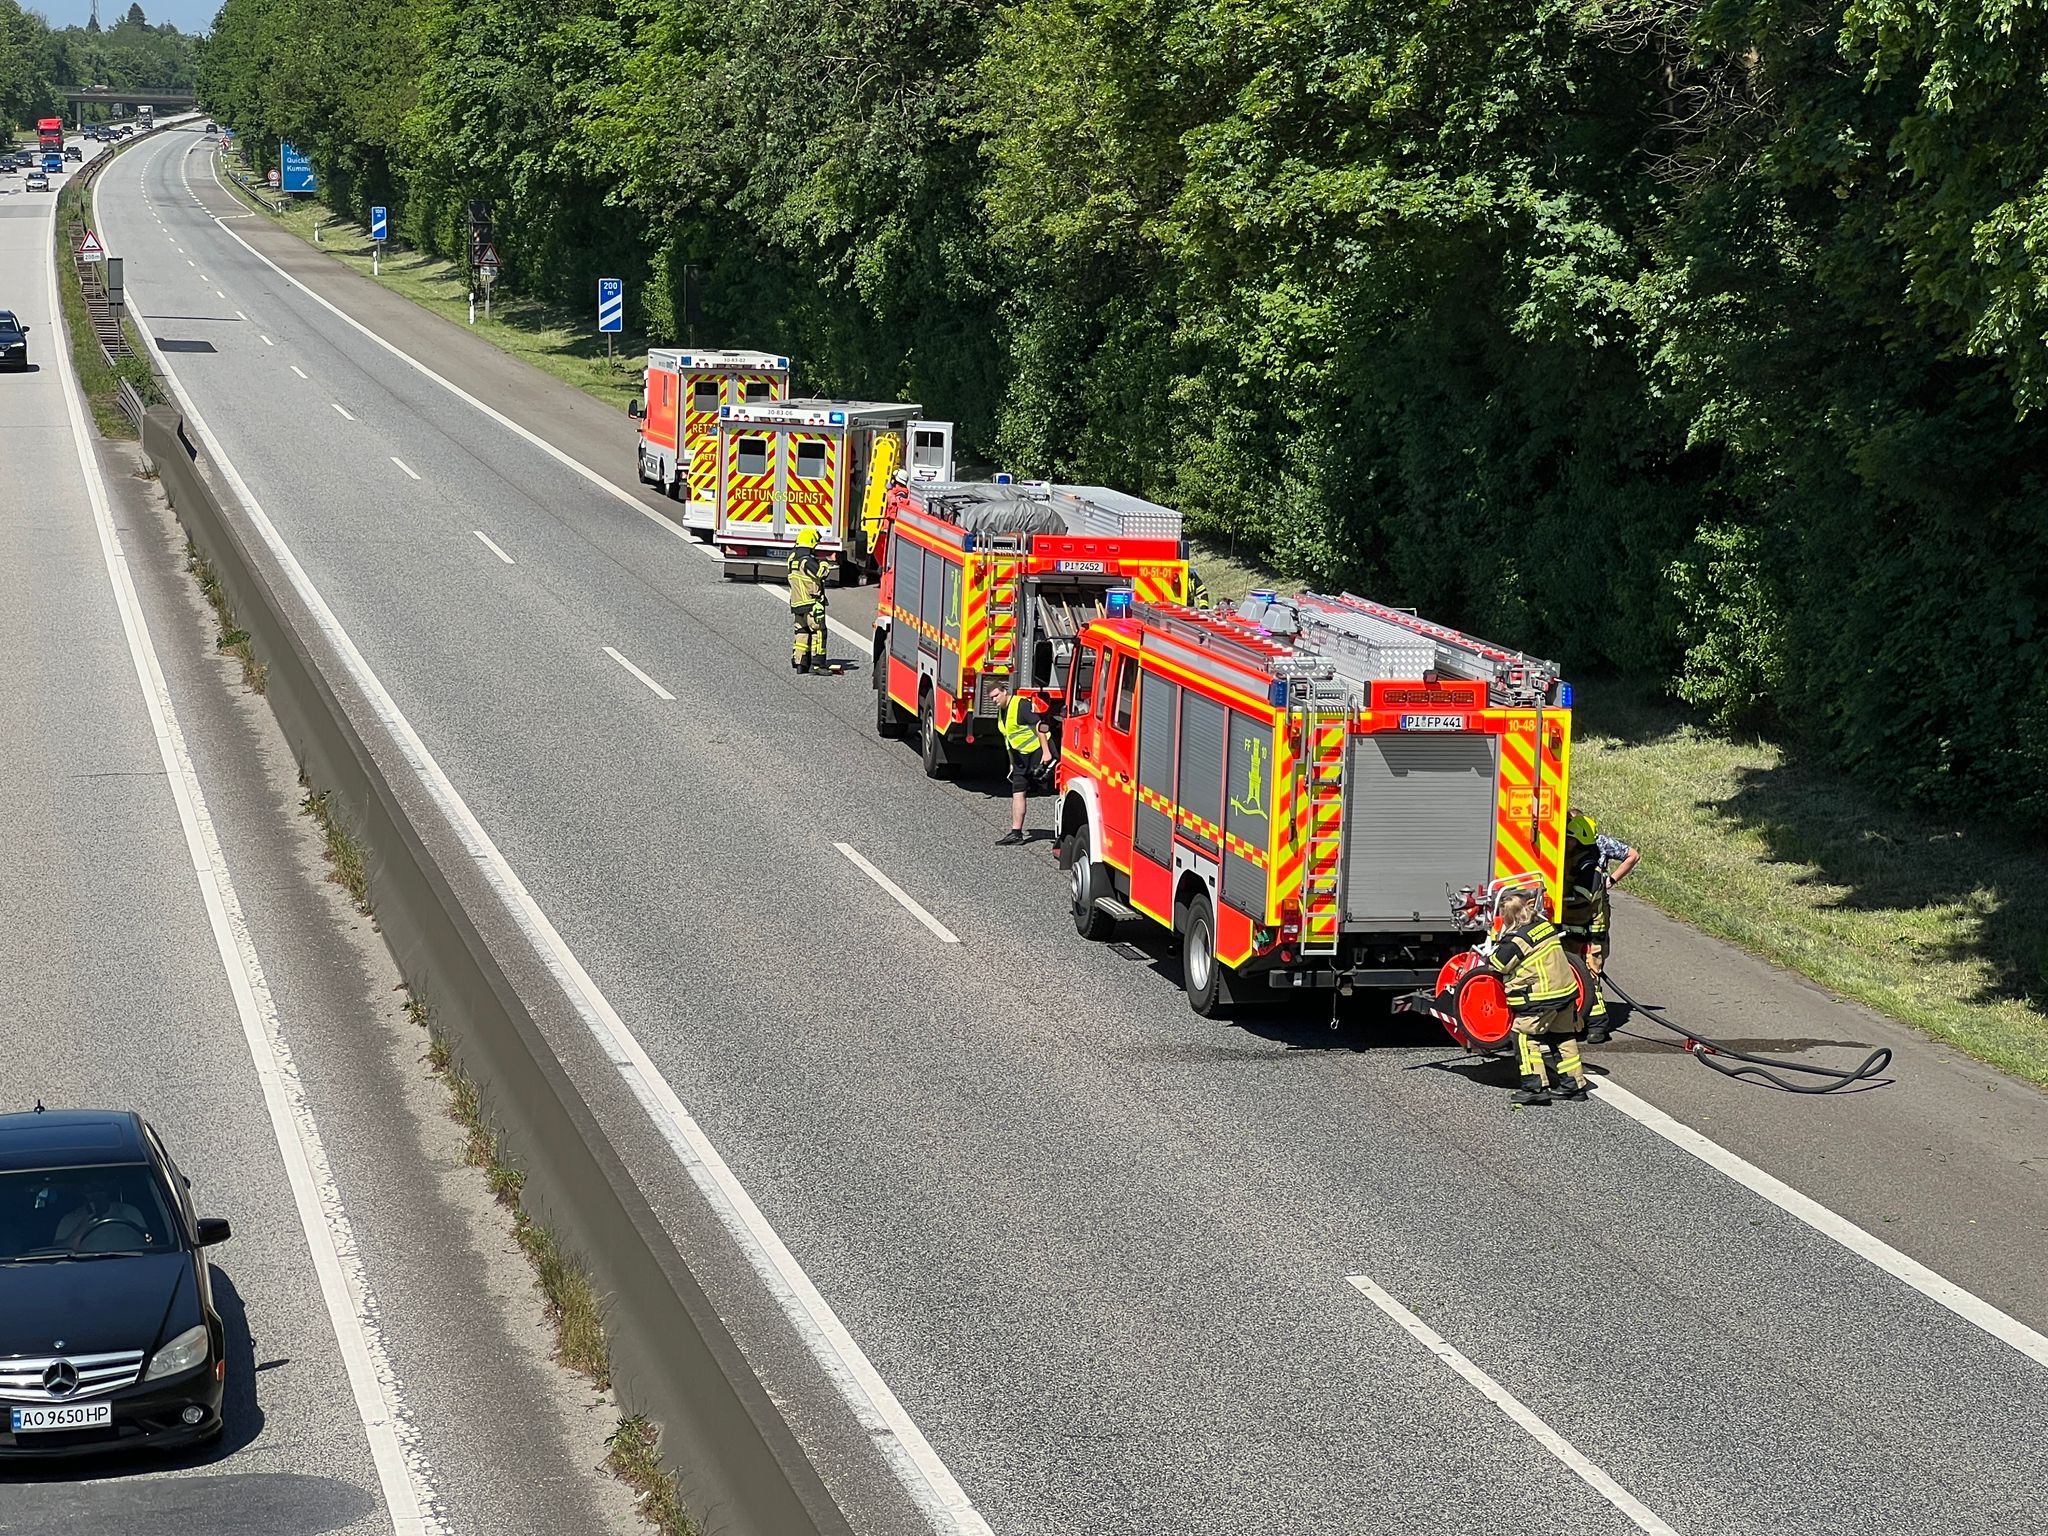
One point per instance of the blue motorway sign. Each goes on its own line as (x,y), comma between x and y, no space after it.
(296,170)
(611,304)
(377,224)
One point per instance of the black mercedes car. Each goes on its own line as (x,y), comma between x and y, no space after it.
(13,340)
(109,1339)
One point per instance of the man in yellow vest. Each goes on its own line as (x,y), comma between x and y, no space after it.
(807,602)
(1027,737)
(1594,864)
(1543,992)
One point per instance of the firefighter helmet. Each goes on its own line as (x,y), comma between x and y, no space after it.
(807,538)
(1581,828)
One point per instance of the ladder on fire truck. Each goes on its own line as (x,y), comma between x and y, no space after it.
(1319,711)
(1381,642)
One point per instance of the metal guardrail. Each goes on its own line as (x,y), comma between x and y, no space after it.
(131,403)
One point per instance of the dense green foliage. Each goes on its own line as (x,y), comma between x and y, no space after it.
(37,63)
(1702,339)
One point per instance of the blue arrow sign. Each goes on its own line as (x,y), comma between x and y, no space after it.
(297,170)
(611,304)
(377,223)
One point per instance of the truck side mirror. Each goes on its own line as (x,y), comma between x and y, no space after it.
(633,409)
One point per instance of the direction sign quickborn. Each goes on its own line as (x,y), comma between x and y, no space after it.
(611,304)
(377,222)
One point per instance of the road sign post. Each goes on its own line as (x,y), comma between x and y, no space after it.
(611,311)
(487,270)
(378,225)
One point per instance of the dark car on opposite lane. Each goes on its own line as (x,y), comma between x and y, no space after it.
(109,1339)
(13,340)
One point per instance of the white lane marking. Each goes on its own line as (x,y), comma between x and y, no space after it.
(1640,1515)
(404,1475)
(219,295)
(266,340)
(190,262)
(1935,1287)
(925,1478)
(295,368)
(659,691)
(405,466)
(903,897)
(343,409)
(204,278)
(491,545)
(240,316)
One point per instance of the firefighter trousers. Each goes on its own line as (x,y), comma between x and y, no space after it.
(1551,1031)
(1591,947)
(810,634)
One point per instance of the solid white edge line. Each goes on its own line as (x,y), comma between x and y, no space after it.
(1936,1288)
(492,546)
(1640,1515)
(341,408)
(925,1478)
(659,692)
(403,1474)
(903,897)
(415,474)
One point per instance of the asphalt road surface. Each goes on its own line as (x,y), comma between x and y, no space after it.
(169,945)
(1129,1271)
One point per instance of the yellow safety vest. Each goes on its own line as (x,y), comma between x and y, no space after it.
(1022,736)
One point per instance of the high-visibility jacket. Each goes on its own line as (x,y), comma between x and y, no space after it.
(806,580)
(1534,967)
(1587,909)
(1019,734)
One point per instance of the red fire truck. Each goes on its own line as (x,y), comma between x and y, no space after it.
(977,575)
(679,420)
(1306,791)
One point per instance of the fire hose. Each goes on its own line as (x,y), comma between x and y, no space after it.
(1748,1065)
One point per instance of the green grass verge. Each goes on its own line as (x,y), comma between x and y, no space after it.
(100,381)
(562,345)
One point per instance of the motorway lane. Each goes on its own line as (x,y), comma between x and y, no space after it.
(1101,1263)
(118,995)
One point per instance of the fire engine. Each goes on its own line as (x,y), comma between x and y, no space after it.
(990,582)
(679,420)
(1305,790)
(823,464)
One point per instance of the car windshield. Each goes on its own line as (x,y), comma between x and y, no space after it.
(6,320)
(54,1214)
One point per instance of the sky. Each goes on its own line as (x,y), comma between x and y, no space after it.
(185,15)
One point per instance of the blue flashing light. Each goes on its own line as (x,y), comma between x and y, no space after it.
(1564,695)
(782,362)
(1263,595)
(1004,477)
(1276,691)
(1117,602)
(724,411)
(838,418)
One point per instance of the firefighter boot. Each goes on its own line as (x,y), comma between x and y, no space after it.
(803,662)
(1571,1071)
(1535,1077)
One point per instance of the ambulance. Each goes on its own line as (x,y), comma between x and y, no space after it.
(823,464)
(679,420)
(1306,792)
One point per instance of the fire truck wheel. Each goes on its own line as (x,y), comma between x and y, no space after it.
(1085,884)
(930,747)
(889,721)
(1201,972)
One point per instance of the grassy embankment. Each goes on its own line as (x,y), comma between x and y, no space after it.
(100,381)
(1937,925)
(562,345)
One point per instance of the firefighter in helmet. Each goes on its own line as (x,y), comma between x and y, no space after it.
(1198,591)
(1543,993)
(1593,865)
(807,602)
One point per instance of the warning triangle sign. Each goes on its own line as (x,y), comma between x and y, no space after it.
(489,258)
(90,245)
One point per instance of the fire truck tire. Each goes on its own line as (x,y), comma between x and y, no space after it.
(930,747)
(1087,881)
(1201,972)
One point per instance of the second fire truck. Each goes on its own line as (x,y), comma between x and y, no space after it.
(990,582)
(1306,791)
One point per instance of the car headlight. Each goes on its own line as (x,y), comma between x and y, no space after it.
(187,1350)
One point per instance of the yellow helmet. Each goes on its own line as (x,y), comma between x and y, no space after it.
(1581,828)
(807,538)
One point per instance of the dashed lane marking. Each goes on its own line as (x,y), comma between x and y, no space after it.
(903,898)
(658,691)
(492,546)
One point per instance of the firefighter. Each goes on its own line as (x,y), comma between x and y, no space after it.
(1027,737)
(807,602)
(1594,864)
(1544,994)
(1198,591)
